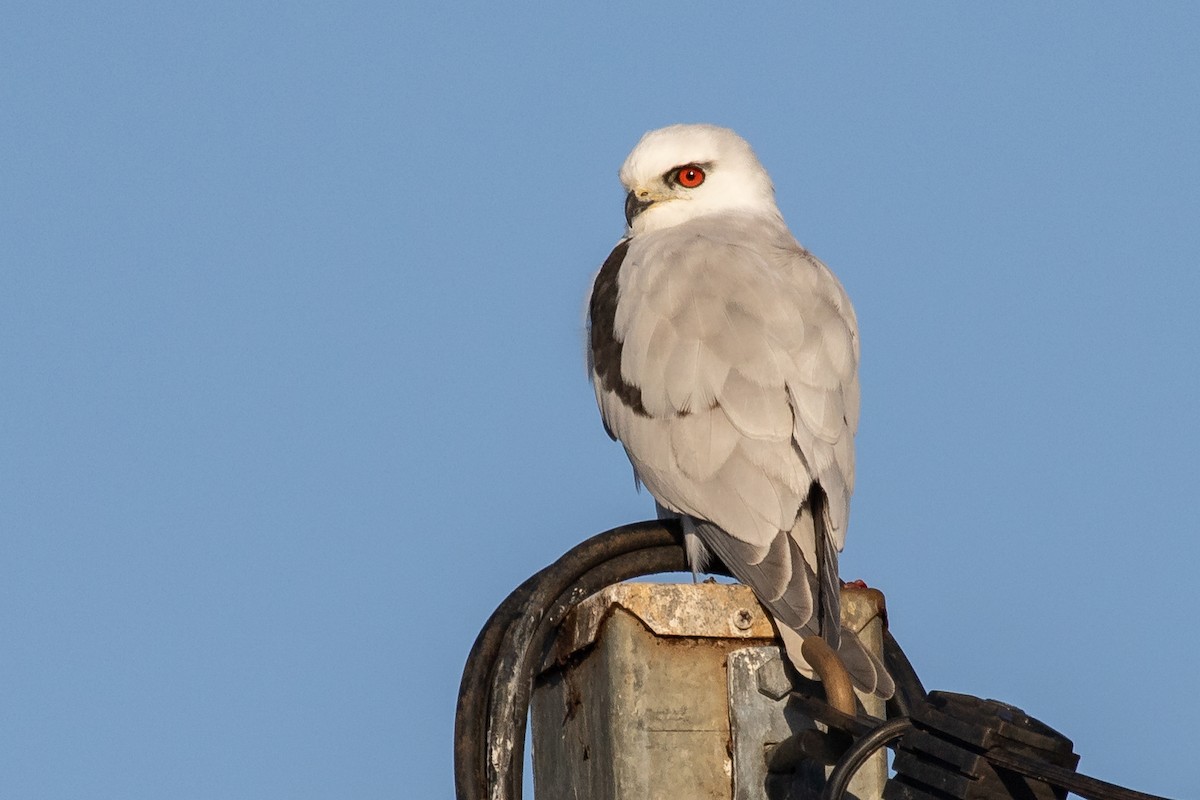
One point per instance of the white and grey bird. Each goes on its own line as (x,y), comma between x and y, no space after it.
(724,357)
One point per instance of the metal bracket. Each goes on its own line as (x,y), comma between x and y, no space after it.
(760,717)
(769,759)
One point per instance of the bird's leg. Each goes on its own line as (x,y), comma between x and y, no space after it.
(839,690)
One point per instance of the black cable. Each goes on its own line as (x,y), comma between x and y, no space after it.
(493,695)
(859,752)
(820,711)
(471,733)
(909,690)
(1078,783)
(510,710)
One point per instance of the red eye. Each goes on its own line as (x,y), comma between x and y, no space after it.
(689,177)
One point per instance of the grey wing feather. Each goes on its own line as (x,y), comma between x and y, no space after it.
(780,577)
(788,594)
(866,669)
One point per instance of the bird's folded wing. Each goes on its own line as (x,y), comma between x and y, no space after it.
(743,354)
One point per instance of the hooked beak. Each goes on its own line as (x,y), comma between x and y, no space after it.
(635,205)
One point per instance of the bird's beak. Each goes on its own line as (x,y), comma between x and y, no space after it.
(635,205)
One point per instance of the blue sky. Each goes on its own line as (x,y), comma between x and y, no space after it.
(291,336)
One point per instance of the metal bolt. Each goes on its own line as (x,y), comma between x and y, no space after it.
(743,619)
(773,680)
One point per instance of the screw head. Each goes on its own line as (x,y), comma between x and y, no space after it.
(743,618)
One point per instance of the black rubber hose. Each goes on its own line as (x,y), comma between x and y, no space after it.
(859,752)
(510,708)
(470,733)
(1074,782)
(500,645)
(909,690)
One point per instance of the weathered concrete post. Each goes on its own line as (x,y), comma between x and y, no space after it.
(677,691)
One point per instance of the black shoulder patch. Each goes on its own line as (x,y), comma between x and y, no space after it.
(602,338)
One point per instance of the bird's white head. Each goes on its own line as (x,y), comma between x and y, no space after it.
(681,172)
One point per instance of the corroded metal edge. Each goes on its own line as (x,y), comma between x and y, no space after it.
(860,606)
(704,610)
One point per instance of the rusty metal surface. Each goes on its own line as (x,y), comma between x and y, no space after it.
(860,607)
(638,715)
(708,610)
(642,694)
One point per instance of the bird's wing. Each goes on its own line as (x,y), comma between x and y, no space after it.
(725,358)
(731,375)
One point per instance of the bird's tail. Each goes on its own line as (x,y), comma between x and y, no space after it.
(867,672)
(796,580)
(866,669)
